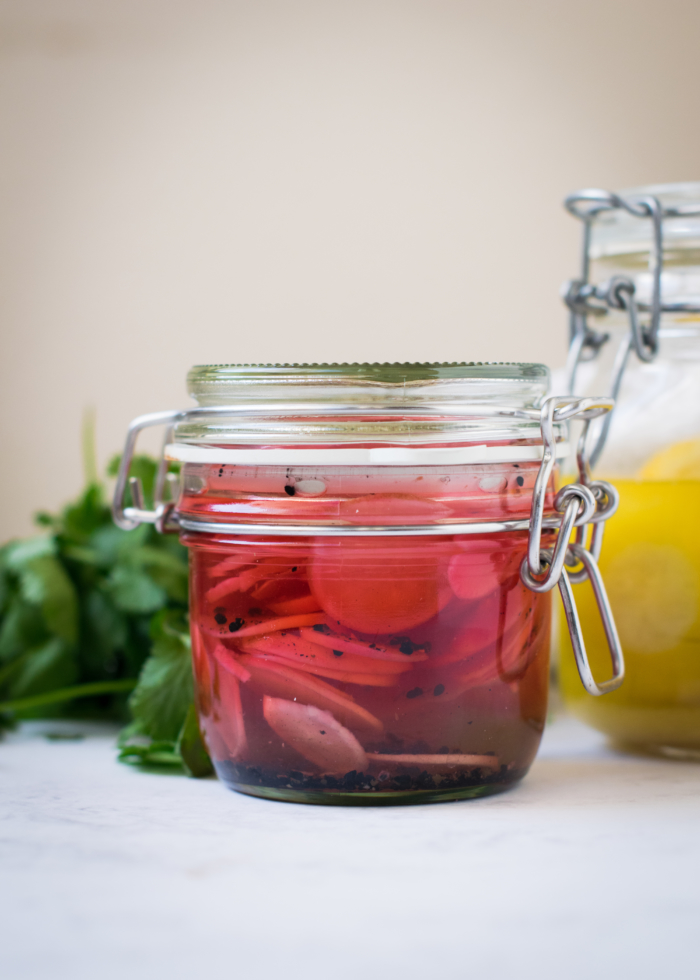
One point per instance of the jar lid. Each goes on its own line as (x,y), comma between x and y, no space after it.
(370,383)
(377,408)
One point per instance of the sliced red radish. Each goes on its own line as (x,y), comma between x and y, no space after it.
(290,607)
(286,682)
(380,585)
(231,727)
(276,624)
(450,761)
(322,634)
(478,571)
(500,614)
(368,680)
(229,662)
(245,581)
(282,586)
(236,563)
(300,650)
(315,734)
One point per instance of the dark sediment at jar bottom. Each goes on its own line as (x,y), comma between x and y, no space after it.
(363,789)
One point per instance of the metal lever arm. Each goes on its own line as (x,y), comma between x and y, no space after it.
(128,518)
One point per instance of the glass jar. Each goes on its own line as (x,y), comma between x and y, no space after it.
(651,558)
(361,632)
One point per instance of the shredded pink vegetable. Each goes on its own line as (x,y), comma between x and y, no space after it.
(348,644)
(277,623)
(229,662)
(245,581)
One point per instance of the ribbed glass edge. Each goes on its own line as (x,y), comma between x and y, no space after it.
(203,379)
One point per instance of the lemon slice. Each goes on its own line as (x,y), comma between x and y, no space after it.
(654,590)
(681,461)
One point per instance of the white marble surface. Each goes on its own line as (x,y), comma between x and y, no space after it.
(589,869)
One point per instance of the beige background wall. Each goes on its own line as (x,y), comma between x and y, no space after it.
(217,180)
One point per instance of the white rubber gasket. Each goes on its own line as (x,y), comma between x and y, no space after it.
(183,452)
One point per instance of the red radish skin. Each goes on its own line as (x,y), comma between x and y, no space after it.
(315,734)
(368,585)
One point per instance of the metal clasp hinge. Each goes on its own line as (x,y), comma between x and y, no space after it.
(128,518)
(583,503)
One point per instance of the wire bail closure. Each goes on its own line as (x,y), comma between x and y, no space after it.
(585,299)
(582,504)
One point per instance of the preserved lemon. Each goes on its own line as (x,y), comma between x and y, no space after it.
(651,566)
(681,461)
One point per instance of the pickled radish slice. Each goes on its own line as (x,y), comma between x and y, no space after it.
(244,581)
(379,585)
(285,585)
(230,663)
(275,624)
(285,596)
(231,727)
(202,672)
(287,682)
(470,579)
(299,650)
(240,562)
(493,617)
(236,563)
(392,508)
(507,662)
(290,607)
(482,567)
(315,734)
(476,676)
(345,677)
(324,636)
(449,761)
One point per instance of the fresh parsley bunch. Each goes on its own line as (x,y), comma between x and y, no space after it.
(93,623)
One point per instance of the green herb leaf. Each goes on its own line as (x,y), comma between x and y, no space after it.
(133,591)
(44,582)
(18,553)
(190,745)
(20,630)
(156,754)
(165,689)
(49,667)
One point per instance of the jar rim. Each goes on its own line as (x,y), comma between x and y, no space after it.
(205,379)
(617,232)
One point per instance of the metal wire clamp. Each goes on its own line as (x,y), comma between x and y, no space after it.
(585,299)
(581,504)
(588,502)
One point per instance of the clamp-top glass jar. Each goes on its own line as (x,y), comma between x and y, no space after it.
(642,252)
(361,628)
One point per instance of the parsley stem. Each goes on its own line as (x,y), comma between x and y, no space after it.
(69,693)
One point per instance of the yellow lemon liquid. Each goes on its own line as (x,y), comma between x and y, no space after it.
(651,568)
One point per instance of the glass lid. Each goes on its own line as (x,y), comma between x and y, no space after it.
(387,404)
(417,385)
